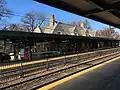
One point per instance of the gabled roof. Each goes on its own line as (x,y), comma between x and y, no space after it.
(66,29)
(50,29)
(37,30)
(81,30)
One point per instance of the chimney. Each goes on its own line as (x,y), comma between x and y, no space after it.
(81,24)
(51,22)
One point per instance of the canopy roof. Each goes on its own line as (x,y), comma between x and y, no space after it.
(105,11)
(19,35)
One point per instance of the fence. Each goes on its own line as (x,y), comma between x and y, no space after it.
(16,71)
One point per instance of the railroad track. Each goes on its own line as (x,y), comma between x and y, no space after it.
(37,80)
(4,66)
(28,70)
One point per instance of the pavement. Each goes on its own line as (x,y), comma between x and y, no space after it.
(106,77)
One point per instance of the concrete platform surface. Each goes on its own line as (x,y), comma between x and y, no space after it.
(106,77)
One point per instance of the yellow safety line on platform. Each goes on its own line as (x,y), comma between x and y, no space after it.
(54,84)
(44,60)
(39,61)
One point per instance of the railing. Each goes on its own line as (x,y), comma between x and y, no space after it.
(14,72)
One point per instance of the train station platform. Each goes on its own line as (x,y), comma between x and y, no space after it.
(102,77)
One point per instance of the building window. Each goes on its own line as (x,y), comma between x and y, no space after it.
(59,32)
(76,34)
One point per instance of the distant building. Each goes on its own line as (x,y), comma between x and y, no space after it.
(67,29)
(37,30)
(55,27)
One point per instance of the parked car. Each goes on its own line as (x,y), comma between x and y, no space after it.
(4,57)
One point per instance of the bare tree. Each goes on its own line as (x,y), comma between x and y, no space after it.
(108,33)
(11,27)
(86,24)
(76,23)
(16,27)
(32,19)
(4,12)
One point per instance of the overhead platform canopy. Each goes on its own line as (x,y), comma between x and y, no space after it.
(30,36)
(105,11)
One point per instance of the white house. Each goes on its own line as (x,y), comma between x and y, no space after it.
(37,30)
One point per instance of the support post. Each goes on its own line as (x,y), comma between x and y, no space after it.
(30,52)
